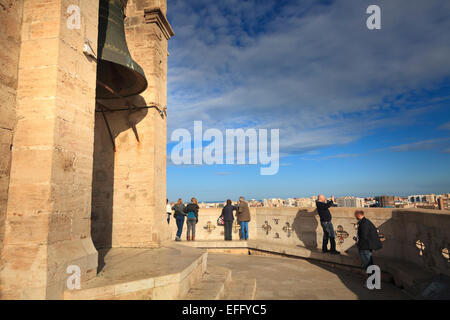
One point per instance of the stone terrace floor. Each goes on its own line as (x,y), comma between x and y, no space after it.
(281,278)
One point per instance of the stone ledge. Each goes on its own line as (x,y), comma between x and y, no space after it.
(155,15)
(282,249)
(131,273)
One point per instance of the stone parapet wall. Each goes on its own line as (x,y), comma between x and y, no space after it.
(417,236)
(207,228)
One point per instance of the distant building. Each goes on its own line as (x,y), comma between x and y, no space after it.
(305,203)
(350,202)
(423,198)
(444,203)
(385,201)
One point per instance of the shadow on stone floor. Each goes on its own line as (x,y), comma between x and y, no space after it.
(281,278)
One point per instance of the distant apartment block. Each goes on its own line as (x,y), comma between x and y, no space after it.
(350,202)
(444,203)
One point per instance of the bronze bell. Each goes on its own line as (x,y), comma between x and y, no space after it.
(115,67)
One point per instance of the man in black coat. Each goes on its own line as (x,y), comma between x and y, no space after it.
(325,221)
(228,218)
(367,240)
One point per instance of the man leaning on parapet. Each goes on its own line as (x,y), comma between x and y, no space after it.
(325,220)
(243,217)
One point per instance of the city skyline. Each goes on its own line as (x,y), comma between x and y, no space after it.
(360,112)
(408,197)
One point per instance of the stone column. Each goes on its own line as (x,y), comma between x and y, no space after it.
(132,212)
(10,25)
(48,215)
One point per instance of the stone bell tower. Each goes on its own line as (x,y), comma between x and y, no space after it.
(129,183)
(64,190)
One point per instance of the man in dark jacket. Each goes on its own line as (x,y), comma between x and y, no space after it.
(228,218)
(325,221)
(367,240)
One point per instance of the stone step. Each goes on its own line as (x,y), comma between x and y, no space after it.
(241,289)
(212,286)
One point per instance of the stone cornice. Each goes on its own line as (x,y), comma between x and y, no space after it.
(156,16)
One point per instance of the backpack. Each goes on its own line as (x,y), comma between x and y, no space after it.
(191,215)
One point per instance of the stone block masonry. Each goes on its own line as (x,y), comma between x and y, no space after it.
(10,26)
(62,188)
(47,223)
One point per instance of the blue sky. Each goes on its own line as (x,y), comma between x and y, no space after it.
(360,112)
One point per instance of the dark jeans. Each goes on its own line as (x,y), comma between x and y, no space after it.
(228,228)
(180,223)
(191,227)
(366,258)
(328,233)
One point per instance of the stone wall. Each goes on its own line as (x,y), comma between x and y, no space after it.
(207,228)
(416,236)
(129,188)
(10,25)
(48,215)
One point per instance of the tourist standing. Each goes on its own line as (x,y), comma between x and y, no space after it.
(243,217)
(192,218)
(228,218)
(168,210)
(325,221)
(367,240)
(179,218)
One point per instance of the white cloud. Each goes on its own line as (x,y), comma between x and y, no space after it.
(313,71)
(432,144)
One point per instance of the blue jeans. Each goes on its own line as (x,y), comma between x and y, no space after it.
(244,229)
(180,223)
(366,258)
(328,233)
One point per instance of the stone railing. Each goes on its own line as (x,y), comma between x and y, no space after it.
(419,237)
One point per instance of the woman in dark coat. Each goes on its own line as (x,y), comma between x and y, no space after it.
(228,218)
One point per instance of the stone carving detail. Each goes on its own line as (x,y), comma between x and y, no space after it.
(209,227)
(446,254)
(421,246)
(341,234)
(287,228)
(267,227)
(277,235)
(276,220)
